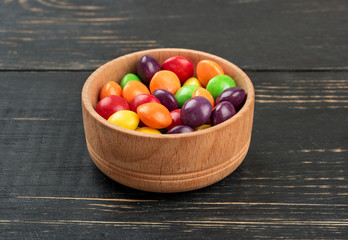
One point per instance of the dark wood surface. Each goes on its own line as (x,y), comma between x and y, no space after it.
(293,183)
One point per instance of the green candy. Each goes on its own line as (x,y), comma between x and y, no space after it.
(129,77)
(184,94)
(218,84)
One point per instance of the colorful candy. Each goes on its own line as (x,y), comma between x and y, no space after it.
(165,80)
(157,102)
(234,95)
(133,89)
(196,112)
(206,70)
(222,112)
(192,81)
(110,88)
(204,93)
(148,130)
(219,83)
(166,98)
(147,67)
(184,94)
(129,77)
(175,118)
(202,127)
(111,104)
(141,99)
(181,66)
(154,115)
(125,118)
(180,129)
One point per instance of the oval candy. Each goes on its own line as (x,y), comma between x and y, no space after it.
(154,115)
(125,118)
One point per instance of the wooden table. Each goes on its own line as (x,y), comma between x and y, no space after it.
(293,184)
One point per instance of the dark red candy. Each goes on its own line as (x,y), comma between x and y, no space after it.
(196,111)
(111,104)
(176,118)
(222,112)
(166,98)
(147,67)
(234,95)
(180,129)
(141,99)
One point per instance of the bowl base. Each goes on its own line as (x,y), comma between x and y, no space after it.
(169,183)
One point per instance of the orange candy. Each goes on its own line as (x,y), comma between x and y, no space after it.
(110,88)
(206,70)
(154,115)
(165,80)
(133,89)
(204,93)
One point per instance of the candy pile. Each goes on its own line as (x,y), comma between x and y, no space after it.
(169,99)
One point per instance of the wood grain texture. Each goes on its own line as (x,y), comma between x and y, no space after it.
(254,34)
(165,163)
(292,184)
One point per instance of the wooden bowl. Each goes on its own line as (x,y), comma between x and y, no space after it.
(165,163)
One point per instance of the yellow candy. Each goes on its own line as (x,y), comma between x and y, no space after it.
(148,130)
(125,118)
(204,126)
(192,81)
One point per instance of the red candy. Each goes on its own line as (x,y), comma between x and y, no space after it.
(181,66)
(175,118)
(141,99)
(111,104)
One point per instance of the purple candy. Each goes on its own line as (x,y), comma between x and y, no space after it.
(234,95)
(180,129)
(196,111)
(167,99)
(147,67)
(222,112)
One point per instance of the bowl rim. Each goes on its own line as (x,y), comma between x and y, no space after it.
(88,105)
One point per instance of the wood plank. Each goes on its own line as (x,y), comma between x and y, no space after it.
(254,34)
(293,188)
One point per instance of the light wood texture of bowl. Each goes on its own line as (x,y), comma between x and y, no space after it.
(165,163)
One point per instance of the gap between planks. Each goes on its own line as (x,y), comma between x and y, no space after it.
(213,223)
(197,203)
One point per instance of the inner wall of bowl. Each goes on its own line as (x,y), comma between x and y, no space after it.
(117,68)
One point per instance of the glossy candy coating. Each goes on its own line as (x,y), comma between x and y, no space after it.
(181,66)
(220,83)
(125,118)
(234,95)
(154,115)
(196,112)
(111,104)
(204,93)
(132,89)
(202,127)
(165,80)
(127,78)
(141,99)
(148,130)
(222,112)
(147,67)
(184,94)
(180,129)
(206,70)
(192,81)
(110,88)
(166,98)
(175,118)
